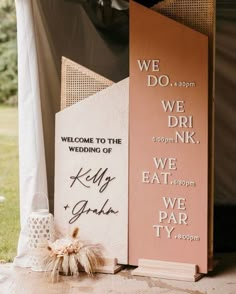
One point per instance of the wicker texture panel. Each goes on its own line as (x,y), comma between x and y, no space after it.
(198,15)
(78,83)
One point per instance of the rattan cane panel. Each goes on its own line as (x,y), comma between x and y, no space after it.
(198,15)
(78,83)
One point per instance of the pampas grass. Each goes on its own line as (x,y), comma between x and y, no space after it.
(69,256)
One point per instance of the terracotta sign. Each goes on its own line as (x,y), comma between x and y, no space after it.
(168,164)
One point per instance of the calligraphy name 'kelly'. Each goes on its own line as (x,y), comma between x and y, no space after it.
(99,178)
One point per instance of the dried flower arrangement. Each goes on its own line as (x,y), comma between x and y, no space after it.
(69,255)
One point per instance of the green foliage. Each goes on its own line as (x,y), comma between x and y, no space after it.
(8,55)
(9,209)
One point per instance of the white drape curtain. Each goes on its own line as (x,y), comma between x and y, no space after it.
(33,177)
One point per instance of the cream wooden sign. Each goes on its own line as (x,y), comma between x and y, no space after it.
(91,170)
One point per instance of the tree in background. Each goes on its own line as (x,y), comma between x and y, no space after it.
(8,55)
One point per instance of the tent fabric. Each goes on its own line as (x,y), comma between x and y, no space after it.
(225,106)
(33,177)
(50,29)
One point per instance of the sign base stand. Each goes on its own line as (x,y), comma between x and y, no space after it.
(167,270)
(109,266)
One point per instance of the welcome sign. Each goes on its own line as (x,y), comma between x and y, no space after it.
(168,194)
(91,172)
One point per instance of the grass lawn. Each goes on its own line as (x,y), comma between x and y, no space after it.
(9,209)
